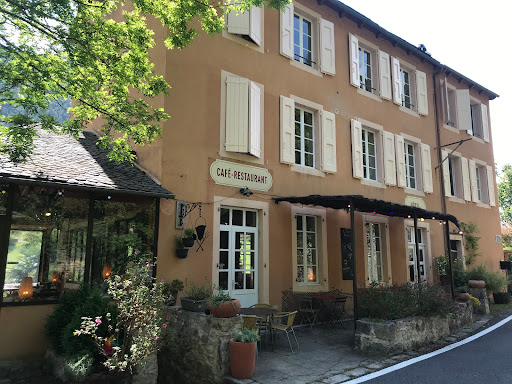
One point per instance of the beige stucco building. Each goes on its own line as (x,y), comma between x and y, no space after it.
(314,100)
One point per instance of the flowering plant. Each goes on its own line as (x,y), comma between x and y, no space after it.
(138,328)
(442,265)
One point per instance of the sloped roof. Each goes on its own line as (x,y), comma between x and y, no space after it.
(62,161)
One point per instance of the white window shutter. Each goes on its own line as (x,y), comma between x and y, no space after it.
(254,120)
(490,184)
(238,23)
(357,149)
(395,77)
(389,159)
(445,102)
(255,25)
(466,180)
(384,75)
(472,176)
(237,114)
(286,47)
(485,122)
(421,92)
(446,173)
(400,161)
(426,163)
(464,111)
(328,142)
(353,47)
(287,130)
(327,56)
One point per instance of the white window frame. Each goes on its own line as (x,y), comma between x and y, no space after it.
(305,278)
(402,87)
(454,163)
(362,51)
(426,246)
(303,139)
(366,155)
(322,281)
(383,223)
(378,131)
(408,176)
(247,42)
(374,256)
(476,119)
(299,58)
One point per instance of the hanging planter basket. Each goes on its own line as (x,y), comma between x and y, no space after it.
(182,253)
(188,241)
(200,227)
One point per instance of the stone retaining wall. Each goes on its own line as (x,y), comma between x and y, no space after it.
(480,294)
(396,336)
(200,353)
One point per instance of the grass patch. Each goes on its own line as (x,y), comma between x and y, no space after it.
(497,308)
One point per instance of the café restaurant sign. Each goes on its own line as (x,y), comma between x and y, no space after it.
(240,175)
(415,202)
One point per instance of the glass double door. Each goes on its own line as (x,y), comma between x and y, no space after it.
(238,255)
(413,263)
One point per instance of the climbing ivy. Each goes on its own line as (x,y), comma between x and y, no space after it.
(471,241)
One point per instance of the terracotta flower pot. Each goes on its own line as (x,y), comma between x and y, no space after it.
(226,309)
(476,284)
(243,359)
(462,297)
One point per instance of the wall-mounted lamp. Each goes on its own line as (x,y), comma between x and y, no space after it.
(107,270)
(245,191)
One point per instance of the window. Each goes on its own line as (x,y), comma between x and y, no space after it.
(374,247)
(405,86)
(369,155)
(482,182)
(410,165)
(365,69)
(476,120)
(304,138)
(478,183)
(307,249)
(455,249)
(411,246)
(451,108)
(453,185)
(246,25)
(303,40)
(452,174)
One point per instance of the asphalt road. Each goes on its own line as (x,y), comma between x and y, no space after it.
(484,360)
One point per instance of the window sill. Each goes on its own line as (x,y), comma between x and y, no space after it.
(306,68)
(416,192)
(477,139)
(307,171)
(369,95)
(455,199)
(372,183)
(242,41)
(410,112)
(450,128)
(30,302)
(483,205)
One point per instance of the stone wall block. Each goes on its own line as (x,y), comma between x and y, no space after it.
(480,294)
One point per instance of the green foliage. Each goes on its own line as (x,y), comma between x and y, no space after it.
(67,316)
(443,267)
(199,292)
(398,301)
(76,369)
(219,298)
(505,194)
(179,242)
(494,281)
(61,49)
(470,241)
(459,274)
(246,336)
(189,233)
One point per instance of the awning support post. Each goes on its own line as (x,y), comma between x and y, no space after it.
(416,245)
(354,274)
(450,263)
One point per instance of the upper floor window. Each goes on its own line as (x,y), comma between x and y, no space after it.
(478,174)
(453,176)
(303,40)
(304,138)
(405,86)
(365,69)
(410,165)
(409,87)
(247,25)
(369,155)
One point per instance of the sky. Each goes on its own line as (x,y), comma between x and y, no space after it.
(472,37)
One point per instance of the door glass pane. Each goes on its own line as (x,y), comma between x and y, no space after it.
(300,240)
(249,241)
(223,280)
(239,280)
(223,260)
(224,216)
(250,219)
(249,280)
(238,217)
(300,274)
(239,240)
(411,272)
(239,260)
(224,239)
(311,240)
(300,256)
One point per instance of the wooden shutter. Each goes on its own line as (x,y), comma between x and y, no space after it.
(286,47)
(426,163)
(255,25)
(328,142)
(400,161)
(238,23)
(287,130)
(357,149)
(353,48)
(490,185)
(472,176)
(327,55)
(237,114)
(466,180)
(395,77)
(446,174)
(385,76)
(463,110)
(254,120)
(389,159)
(445,102)
(485,122)
(421,92)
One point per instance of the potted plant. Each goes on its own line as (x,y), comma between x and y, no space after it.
(442,269)
(181,251)
(496,283)
(189,236)
(196,298)
(462,294)
(222,305)
(242,354)
(173,289)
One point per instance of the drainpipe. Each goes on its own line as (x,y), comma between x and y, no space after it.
(441,178)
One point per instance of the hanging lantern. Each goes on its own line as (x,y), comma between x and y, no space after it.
(107,270)
(55,277)
(26,290)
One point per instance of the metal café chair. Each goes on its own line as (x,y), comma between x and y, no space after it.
(338,311)
(286,327)
(308,313)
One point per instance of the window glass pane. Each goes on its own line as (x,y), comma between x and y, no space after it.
(238,217)
(297,157)
(298,144)
(311,274)
(239,280)
(298,219)
(311,239)
(3,198)
(223,280)
(250,218)
(311,257)
(239,262)
(308,118)
(223,260)
(224,216)
(249,280)
(239,240)
(24,256)
(308,132)
(224,239)
(300,256)
(308,159)
(310,223)
(300,240)
(300,274)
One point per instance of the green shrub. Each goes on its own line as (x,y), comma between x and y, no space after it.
(198,292)
(459,273)
(496,282)
(399,301)
(246,336)
(443,268)
(477,273)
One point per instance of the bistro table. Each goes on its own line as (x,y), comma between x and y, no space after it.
(266,313)
(326,304)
